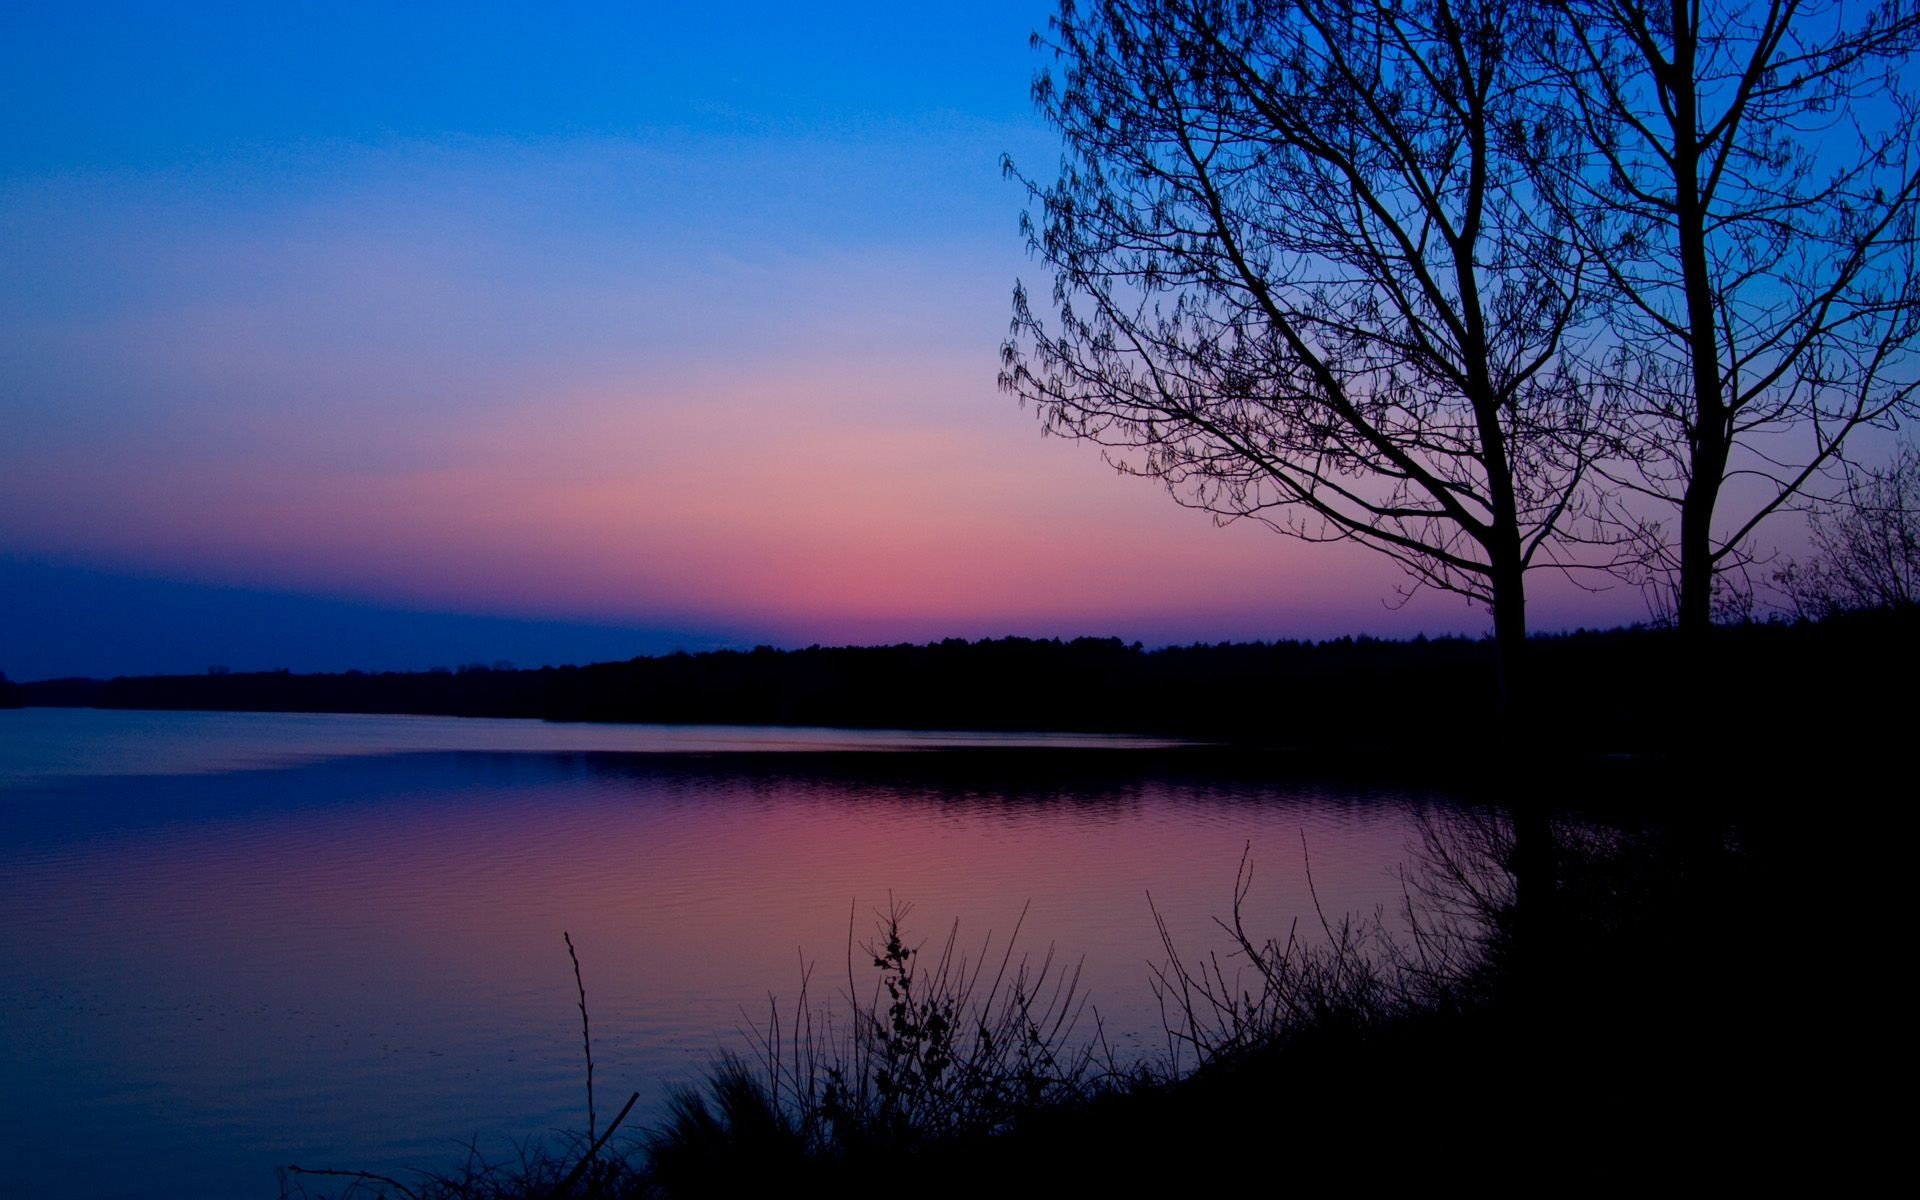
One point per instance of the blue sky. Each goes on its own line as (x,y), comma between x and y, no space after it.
(155,84)
(678,322)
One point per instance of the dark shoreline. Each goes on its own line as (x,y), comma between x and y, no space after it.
(1594,694)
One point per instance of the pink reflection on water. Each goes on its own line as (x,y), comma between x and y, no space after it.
(356,960)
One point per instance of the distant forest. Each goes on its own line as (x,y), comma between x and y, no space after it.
(1592,690)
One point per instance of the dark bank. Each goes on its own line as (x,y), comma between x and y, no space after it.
(1617,691)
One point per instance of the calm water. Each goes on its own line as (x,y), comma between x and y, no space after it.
(234,941)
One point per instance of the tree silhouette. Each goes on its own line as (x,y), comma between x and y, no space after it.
(1301,276)
(1866,547)
(1748,183)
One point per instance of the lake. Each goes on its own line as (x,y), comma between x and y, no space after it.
(230,942)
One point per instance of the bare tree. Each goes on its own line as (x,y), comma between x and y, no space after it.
(1866,547)
(1301,277)
(1749,186)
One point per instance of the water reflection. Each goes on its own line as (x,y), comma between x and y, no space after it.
(356,957)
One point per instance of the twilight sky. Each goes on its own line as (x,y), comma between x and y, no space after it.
(404,335)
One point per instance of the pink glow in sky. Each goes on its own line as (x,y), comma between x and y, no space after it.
(723,371)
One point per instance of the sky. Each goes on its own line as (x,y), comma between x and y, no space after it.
(394,336)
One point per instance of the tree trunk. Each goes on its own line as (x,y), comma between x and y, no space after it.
(1711,431)
(1510,648)
(1533,861)
(1694,611)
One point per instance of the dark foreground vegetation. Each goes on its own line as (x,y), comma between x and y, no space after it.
(1666,1004)
(1601,691)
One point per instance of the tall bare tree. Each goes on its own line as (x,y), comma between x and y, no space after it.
(1300,276)
(1748,184)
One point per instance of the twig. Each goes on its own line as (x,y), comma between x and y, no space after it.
(586,1039)
(1306,860)
(573,1176)
(402,1188)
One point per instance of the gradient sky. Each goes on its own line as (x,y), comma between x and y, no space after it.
(394,335)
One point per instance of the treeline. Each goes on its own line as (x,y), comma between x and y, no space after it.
(1598,690)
